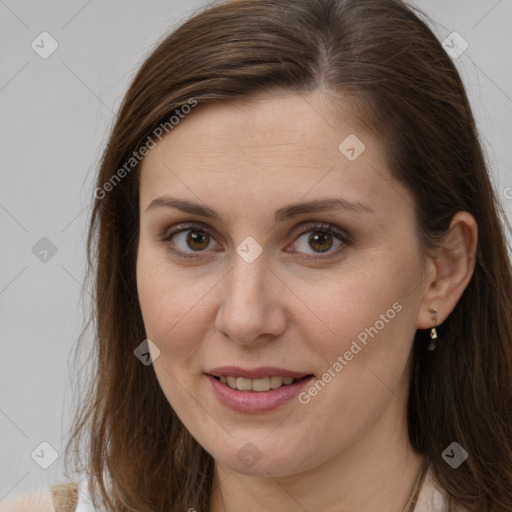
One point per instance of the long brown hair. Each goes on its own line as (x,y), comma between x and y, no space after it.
(404,88)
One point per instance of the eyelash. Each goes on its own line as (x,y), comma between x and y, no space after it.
(323,228)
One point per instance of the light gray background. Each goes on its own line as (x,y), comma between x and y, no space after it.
(55,117)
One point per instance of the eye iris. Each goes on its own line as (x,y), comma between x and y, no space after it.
(319,237)
(197,236)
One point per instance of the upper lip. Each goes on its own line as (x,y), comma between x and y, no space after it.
(255,373)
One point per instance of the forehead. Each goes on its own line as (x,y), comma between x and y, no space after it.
(294,125)
(282,146)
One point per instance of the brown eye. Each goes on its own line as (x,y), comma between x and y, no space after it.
(197,240)
(320,241)
(322,237)
(192,239)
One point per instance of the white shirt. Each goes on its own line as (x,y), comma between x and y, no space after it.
(84,503)
(432,497)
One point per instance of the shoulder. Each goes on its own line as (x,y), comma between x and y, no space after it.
(39,500)
(61,497)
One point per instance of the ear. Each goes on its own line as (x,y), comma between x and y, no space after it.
(451,268)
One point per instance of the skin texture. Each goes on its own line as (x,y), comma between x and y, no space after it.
(347,448)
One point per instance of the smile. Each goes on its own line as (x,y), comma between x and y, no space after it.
(259,385)
(256,395)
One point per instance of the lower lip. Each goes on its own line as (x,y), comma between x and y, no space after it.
(256,401)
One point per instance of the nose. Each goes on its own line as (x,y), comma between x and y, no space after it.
(251,309)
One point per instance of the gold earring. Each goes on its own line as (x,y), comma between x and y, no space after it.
(433,331)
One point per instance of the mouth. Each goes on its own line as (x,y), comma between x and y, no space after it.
(258,385)
(258,390)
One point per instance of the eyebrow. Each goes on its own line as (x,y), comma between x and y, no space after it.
(280,215)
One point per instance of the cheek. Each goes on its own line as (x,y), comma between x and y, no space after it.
(170,306)
(372,318)
(174,306)
(163,303)
(363,357)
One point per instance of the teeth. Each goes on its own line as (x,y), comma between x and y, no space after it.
(244,384)
(276,382)
(261,384)
(265,384)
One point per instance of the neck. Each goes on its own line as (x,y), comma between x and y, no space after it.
(376,473)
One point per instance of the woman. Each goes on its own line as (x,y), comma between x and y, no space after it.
(302,283)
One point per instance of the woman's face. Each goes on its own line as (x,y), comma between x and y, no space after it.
(259,282)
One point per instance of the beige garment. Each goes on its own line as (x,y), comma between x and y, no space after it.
(39,500)
(61,497)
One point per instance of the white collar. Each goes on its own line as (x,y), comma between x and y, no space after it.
(432,497)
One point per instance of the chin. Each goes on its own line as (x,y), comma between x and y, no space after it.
(277,467)
(282,460)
